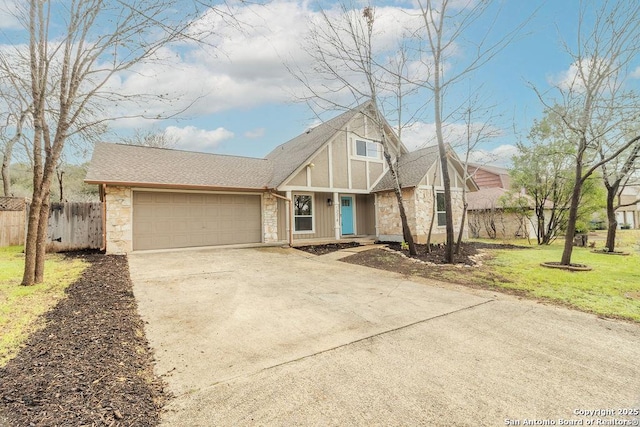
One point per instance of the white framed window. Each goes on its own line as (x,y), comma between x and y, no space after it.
(440,210)
(366,148)
(303,213)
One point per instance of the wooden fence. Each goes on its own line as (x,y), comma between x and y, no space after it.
(12,221)
(72,226)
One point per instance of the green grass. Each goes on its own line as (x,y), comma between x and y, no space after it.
(611,289)
(22,306)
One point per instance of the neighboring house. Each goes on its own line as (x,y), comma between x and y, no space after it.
(629,216)
(328,184)
(487,176)
(489,213)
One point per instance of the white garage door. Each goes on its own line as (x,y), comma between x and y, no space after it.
(178,220)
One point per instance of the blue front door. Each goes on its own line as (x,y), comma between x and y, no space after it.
(346,212)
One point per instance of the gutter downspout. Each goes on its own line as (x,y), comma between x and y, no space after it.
(290,237)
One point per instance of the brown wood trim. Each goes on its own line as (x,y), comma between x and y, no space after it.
(176,186)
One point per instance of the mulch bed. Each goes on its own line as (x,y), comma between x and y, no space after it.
(465,256)
(431,266)
(91,364)
(328,248)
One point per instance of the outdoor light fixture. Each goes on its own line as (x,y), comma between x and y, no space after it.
(329,202)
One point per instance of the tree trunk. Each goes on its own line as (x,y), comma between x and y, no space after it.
(541,226)
(397,189)
(8,154)
(573,213)
(406,232)
(60,175)
(433,214)
(448,206)
(446,180)
(6,175)
(41,244)
(611,218)
(464,218)
(29,276)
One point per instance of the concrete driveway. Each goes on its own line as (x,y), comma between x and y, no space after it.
(278,337)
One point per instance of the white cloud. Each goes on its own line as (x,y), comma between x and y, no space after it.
(255,133)
(8,15)
(500,155)
(590,71)
(422,134)
(192,138)
(636,73)
(246,68)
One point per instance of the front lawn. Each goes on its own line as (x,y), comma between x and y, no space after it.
(611,289)
(22,306)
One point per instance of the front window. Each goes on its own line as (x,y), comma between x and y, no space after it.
(367,148)
(303,212)
(440,210)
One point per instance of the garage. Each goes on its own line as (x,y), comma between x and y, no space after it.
(163,220)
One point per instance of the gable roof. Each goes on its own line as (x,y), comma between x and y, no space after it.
(160,167)
(412,168)
(490,198)
(488,176)
(292,154)
(119,164)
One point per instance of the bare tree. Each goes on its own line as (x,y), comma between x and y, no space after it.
(11,134)
(593,100)
(344,59)
(479,128)
(69,76)
(151,138)
(13,117)
(445,25)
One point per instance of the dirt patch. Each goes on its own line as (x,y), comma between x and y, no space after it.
(91,364)
(328,248)
(633,295)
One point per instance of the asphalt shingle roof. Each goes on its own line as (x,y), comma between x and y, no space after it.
(485,198)
(130,164)
(289,156)
(412,168)
(488,198)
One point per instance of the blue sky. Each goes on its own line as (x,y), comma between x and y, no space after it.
(245,104)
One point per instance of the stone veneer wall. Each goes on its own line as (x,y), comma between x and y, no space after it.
(119,220)
(418,205)
(388,214)
(269,218)
(424,203)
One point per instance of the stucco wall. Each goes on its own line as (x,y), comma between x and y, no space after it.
(119,219)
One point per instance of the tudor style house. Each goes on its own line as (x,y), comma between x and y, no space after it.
(328,184)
